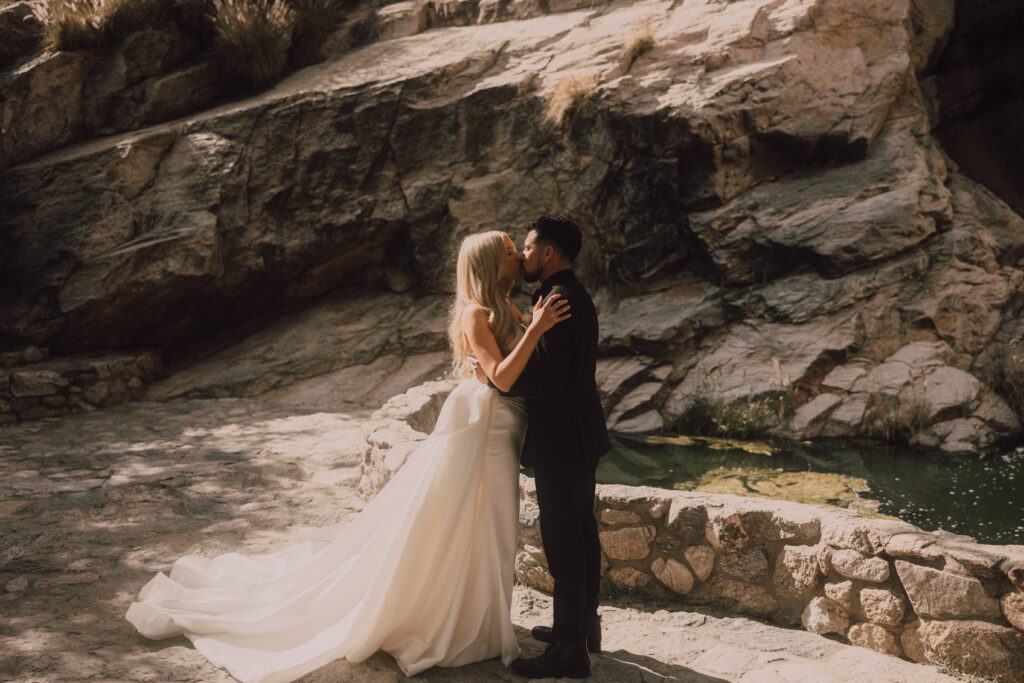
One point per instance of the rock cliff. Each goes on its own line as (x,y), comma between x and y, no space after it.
(757,180)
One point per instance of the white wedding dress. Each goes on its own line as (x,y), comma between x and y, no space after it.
(424,572)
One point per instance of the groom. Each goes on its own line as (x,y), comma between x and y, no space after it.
(565,437)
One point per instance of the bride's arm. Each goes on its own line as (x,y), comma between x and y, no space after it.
(503,371)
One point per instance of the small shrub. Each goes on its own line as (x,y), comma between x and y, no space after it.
(641,42)
(569,96)
(253,37)
(710,414)
(121,18)
(893,420)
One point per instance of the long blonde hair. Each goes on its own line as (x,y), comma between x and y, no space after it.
(482,263)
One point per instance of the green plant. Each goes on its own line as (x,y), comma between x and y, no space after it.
(894,420)
(253,37)
(711,414)
(641,42)
(569,96)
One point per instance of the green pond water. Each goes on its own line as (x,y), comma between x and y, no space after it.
(979,497)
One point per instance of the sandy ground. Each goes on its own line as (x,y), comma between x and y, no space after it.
(93,505)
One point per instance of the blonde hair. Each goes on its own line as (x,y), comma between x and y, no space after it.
(481,265)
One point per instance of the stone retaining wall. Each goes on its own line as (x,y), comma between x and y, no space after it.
(32,387)
(878,583)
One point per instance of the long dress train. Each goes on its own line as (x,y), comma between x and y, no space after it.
(424,572)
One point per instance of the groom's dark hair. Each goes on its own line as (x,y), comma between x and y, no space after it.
(561,232)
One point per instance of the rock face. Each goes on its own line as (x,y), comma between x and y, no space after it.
(761,186)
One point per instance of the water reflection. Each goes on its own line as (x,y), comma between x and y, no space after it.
(966,495)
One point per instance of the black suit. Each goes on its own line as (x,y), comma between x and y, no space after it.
(565,437)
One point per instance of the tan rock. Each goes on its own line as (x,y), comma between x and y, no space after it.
(701,559)
(910,639)
(941,595)
(725,529)
(27,383)
(823,616)
(1013,609)
(795,524)
(841,593)
(532,569)
(854,565)
(612,516)
(735,595)
(688,518)
(796,572)
(629,578)
(843,377)
(977,646)
(631,543)
(882,606)
(750,565)
(847,418)
(865,536)
(673,574)
(811,416)
(874,637)
(917,546)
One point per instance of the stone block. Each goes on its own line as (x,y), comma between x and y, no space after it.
(673,574)
(794,523)
(725,529)
(840,592)
(532,569)
(26,383)
(882,606)
(750,565)
(809,418)
(631,543)
(1012,605)
(611,516)
(854,565)
(688,519)
(917,546)
(936,594)
(629,578)
(735,595)
(823,616)
(874,637)
(701,559)
(796,572)
(910,640)
(979,647)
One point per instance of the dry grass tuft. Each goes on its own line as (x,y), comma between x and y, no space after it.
(315,21)
(253,37)
(641,42)
(73,25)
(569,96)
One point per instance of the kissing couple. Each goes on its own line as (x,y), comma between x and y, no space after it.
(425,571)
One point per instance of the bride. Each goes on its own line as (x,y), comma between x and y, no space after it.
(425,571)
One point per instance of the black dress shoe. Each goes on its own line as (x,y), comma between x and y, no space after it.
(562,659)
(591,627)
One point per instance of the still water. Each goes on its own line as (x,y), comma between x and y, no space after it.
(979,497)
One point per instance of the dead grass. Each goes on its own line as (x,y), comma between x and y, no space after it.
(569,96)
(73,25)
(253,37)
(641,42)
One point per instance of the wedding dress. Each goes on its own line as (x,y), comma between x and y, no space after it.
(424,572)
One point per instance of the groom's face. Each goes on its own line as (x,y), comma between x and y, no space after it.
(531,257)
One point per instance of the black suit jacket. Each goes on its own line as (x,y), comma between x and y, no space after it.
(565,422)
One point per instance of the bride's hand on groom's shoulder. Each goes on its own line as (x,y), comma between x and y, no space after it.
(548,313)
(471,368)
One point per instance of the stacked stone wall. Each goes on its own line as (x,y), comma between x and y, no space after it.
(878,583)
(32,387)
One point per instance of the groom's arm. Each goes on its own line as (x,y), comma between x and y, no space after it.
(547,372)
